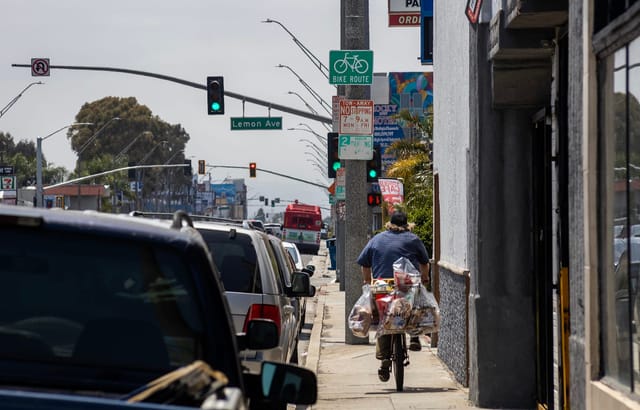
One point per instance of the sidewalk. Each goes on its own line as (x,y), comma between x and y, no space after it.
(348,376)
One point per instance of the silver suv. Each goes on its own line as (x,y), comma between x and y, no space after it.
(250,272)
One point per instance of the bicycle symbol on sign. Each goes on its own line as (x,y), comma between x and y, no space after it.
(360,66)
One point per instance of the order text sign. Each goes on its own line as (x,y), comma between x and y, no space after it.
(356,117)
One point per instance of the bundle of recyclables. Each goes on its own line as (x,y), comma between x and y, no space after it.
(405,307)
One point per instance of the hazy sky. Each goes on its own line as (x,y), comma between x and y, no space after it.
(188,39)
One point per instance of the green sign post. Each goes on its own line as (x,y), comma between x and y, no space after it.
(350,67)
(256,123)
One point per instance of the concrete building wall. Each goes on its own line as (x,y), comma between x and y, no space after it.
(451,126)
(577,262)
(451,142)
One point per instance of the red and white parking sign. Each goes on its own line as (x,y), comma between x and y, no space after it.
(356,117)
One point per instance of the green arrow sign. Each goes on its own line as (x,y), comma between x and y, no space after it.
(256,123)
(350,67)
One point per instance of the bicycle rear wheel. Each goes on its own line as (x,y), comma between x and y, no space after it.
(398,345)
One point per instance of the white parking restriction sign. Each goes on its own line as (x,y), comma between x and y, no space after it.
(356,117)
(355,147)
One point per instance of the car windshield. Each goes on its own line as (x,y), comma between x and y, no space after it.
(236,260)
(87,300)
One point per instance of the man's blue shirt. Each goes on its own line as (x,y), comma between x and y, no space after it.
(386,247)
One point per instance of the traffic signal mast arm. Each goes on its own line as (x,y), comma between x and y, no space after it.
(270,172)
(230,94)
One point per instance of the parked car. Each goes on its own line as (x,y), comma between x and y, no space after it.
(297,258)
(286,269)
(254,287)
(95,306)
(273,228)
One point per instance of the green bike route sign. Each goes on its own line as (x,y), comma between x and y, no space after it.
(256,123)
(350,67)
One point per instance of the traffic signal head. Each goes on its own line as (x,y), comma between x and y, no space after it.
(333,161)
(131,173)
(187,169)
(252,169)
(201,167)
(373,166)
(215,95)
(374,198)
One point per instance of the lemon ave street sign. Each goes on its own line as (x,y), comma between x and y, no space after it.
(256,123)
(350,67)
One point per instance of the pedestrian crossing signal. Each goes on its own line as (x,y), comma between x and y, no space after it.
(374,198)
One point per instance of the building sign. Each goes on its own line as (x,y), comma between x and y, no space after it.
(7,170)
(8,182)
(356,117)
(404,13)
(225,194)
(411,91)
(386,131)
(392,191)
(473,10)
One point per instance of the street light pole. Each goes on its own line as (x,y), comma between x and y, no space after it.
(94,136)
(15,99)
(321,140)
(39,191)
(325,105)
(315,60)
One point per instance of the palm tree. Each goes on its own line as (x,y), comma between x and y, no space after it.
(414,166)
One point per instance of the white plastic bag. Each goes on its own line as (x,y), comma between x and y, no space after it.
(405,274)
(425,314)
(360,316)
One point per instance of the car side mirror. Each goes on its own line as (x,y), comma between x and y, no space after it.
(261,334)
(284,383)
(301,285)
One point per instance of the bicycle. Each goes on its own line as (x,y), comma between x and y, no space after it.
(360,66)
(399,351)
(399,358)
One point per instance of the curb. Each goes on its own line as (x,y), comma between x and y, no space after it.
(313,354)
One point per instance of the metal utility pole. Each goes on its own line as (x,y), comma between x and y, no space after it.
(354,36)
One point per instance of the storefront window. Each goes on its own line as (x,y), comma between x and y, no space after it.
(619,125)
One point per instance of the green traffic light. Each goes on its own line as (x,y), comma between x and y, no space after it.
(372,173)
(336,165)
(215,106)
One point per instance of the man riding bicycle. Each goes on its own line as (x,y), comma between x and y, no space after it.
(376,262)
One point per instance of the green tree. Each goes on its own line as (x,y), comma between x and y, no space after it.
(415,167)
(139,138)
(22,156)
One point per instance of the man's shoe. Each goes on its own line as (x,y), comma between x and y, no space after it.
(415,345)
(384,372)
